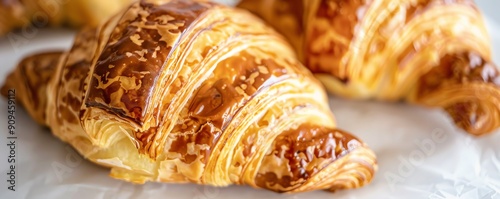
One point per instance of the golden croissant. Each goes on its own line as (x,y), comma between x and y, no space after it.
(192,91)
(16,14)
(434,53)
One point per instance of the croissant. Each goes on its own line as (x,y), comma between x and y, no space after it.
(182,91)
(20,13)
(434,53)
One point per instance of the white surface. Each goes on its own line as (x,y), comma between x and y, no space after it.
(458,166)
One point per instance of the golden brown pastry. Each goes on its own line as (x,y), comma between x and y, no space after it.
(434,53)
(16,14)
(189,91)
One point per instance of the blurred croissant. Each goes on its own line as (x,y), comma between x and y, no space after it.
(16,14)
(434,53)
(192,91)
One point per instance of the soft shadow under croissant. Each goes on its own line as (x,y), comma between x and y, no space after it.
(433,53)
(192,91)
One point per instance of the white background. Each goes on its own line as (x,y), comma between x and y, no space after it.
(459,166)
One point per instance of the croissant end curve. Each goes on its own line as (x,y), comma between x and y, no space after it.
(192,91)
(434,53)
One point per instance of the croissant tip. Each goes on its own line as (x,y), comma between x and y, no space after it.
(359,170)
(3,90)
(351,171)
(477,118)
(6,86)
